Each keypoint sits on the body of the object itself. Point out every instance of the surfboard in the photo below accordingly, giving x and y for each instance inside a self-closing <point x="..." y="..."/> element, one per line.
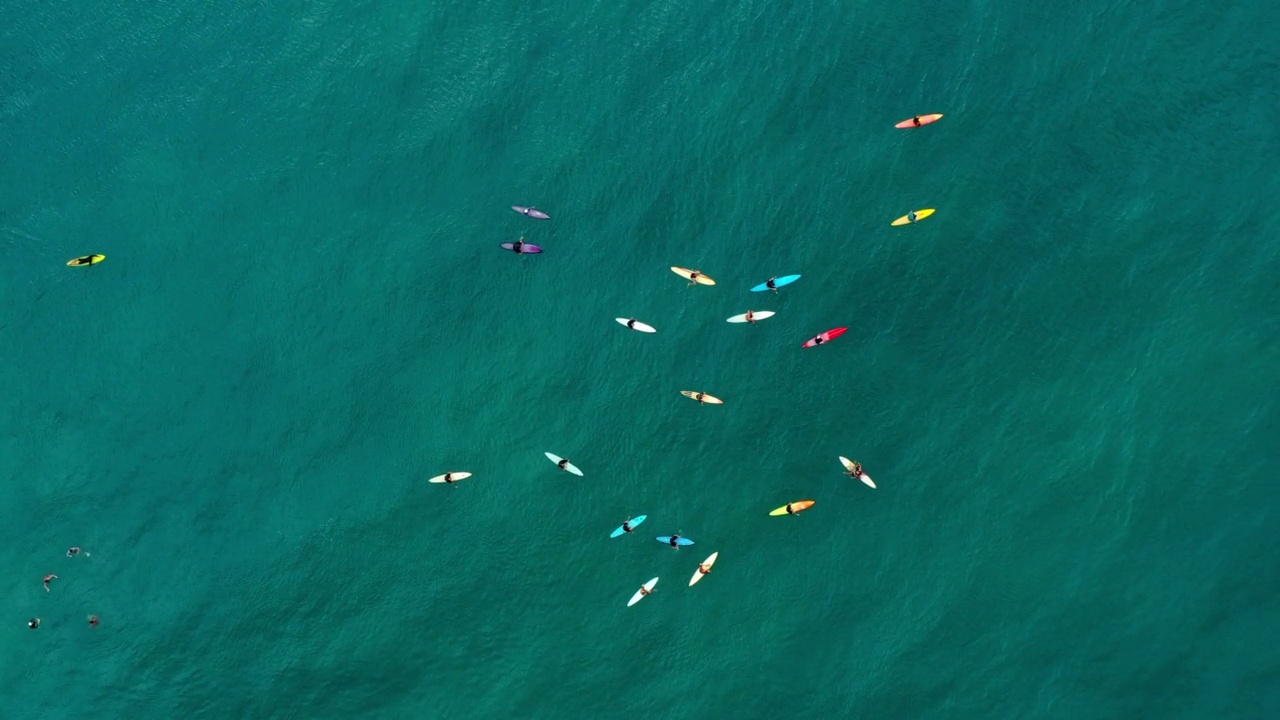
<point x="456" y="477"/>
<point x="531" y="212"/>
<point x="924" y="120"/>
<point x="648" y="587"/>
<point x="784" y="280"/>
<point x="906" y="219"/>
<point x="635" y="522"/>
<point x="698" y="574"/>
<point x="687" y="274"/>
<point x="682" y="542"/>
<point x="754" y="316"/>
<point x="826" y="337"/>
<point x="797" y="507"/>
<point x="86" y="261"/>
<point x="865" y="478"/>
<point x="636" y="325"/>
<point x="569" y="467"/>
<point x="525" y="249"/>
<point x="708" y="399"/>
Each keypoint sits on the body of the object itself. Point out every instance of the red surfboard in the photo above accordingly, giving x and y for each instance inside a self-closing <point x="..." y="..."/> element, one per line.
<point x="825" y="337"/>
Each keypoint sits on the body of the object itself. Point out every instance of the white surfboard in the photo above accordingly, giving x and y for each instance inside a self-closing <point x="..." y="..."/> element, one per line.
<point x="569" y="467"/>
<point x="636" y="325"/>
<point x="865" y="478"/>
<point x="754" y="316"/>
<point x="453" y="476"/>
<point x="698" y="574"/>
<point x="647" y="588"/>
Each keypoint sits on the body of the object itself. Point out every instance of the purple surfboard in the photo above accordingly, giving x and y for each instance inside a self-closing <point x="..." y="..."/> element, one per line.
<point x="526" y="249"/>
<point x="531" y="212"/>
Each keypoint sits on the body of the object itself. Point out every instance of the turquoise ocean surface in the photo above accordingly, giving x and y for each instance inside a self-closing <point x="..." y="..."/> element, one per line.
<point x="1066" y="382"/>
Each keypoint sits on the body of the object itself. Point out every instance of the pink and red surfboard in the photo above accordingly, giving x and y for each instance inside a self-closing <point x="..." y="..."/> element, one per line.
<point x="919" y="121"/>
<point x="826" y="337"/>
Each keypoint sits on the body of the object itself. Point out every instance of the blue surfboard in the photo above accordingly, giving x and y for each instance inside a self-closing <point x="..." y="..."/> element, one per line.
<point x="633" y="521"/>
<point x="784" y="280"/>
<point x="682" y="542"/>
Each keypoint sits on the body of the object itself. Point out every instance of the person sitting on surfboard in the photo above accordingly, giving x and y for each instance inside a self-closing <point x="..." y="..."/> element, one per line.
<point x="704" y="568"/>
<point x="916" y="121"/>
<point x="751" y="317"/>
<point x="644" y="590"/>
<point x="631" y="323"/>
<point x="518" y="246"/>
<point x="563" y="463"/>
<point x="448" y="477"/>
<point x="911" y="216"/>
<point x="789" y="511"/>
<point x="693" y="277"/>
<point x="819" y="340"/>
<point x="770" y="284"/>
<point x="675" y="541"/>
<point x="626" y="525"/>
<point x="856" y="470"/>
<point x="698" y="396"/>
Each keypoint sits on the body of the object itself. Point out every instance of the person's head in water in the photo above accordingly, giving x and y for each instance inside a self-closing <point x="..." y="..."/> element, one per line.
<point x="93" y="621"/>
<point x="33" y="623"/>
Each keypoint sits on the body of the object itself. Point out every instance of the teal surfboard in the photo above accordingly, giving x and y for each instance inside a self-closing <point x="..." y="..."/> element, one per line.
<point x="633" y="522"/>
<point x="784" y="280"/>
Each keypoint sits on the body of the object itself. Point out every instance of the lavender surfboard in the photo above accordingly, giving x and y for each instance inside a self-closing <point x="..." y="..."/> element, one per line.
<point x="531" y="212"/>
<point x="525" y="249"/>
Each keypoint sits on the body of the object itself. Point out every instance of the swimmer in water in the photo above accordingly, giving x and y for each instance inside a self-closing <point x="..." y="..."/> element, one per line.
<point x="47" y="580"/>
<point x="93" y="621"/>
<point x="33" y="623"/>
<point x="75" y="551"/>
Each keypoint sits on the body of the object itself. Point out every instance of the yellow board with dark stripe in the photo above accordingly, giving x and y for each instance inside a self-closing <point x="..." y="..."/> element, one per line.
<point x="86" y="261"/>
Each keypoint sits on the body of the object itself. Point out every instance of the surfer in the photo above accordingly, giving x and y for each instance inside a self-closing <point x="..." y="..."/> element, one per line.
<point x="47" y="580"/>
<point x="517" y="247"/>
<point x="675" y="542"/>
<point x="74" y="552"/>
<point x="86" y="260"/>
<point x="789" y="510"/>
<point x="563" y="464"/>
<point x="704" y="568"/>
<point x="770" y="284"/>
<point x="93" y="621"/>
<point x="526" y="211"/>
<point x="699" y="395"/>
<point x="751" y="317"/>
<point x="693" y="277"/>
<point x="644" y="590"/>
<point x="911" y="216"/>
<point x="626" y="526"/>
<point x="819" y="340"/>
<point x="916" y="121"/>
<point x="33" y="623"/>
<point x="856" y="469"/>
<point x="631" y="324"/>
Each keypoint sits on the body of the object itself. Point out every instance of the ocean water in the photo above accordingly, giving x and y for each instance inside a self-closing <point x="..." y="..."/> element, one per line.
<point x="1064" y="382"/>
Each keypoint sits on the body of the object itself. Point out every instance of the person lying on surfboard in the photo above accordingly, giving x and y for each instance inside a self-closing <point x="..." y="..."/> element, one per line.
<point x="674" y="542"/>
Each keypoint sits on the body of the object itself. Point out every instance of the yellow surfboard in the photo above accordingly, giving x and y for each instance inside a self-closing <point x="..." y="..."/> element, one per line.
<point x="693" y="275"/>
<point x="920" y="215"/>
<point x="797" y="507"/>
<point x="710" y="400"/>
<point x="86" y="261"/>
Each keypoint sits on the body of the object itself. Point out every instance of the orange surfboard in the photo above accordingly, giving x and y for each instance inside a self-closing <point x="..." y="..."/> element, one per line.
<point x="797" y="507"/>
<point x="919" y="121"/>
